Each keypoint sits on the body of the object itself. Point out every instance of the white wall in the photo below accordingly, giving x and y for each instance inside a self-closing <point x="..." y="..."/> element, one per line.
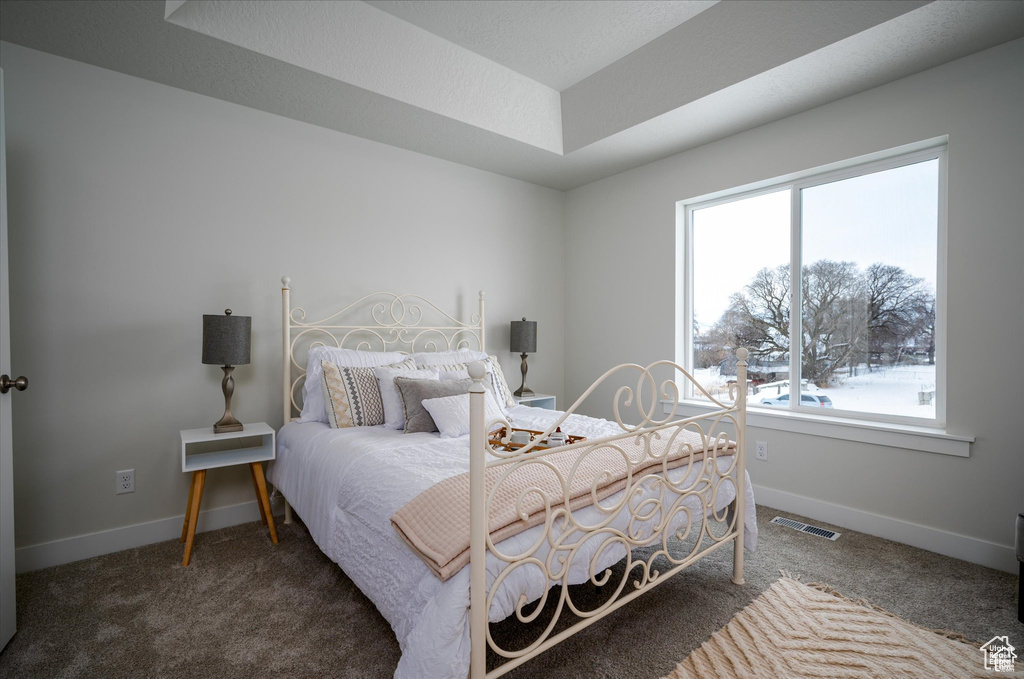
<point x="620" y="297"/>
<point x="136" y="207"/>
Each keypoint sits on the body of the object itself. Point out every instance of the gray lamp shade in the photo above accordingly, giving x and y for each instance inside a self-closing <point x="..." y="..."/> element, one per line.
<point x="523" y="337"/>
<point x="226" y="339"/>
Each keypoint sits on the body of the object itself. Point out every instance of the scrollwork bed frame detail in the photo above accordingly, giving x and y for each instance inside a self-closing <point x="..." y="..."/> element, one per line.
<point x="396" y="323"/>
<point x="654" y="520"/>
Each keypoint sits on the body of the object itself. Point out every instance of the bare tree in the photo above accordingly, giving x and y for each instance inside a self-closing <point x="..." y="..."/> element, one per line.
<point x="708" y="347"/>
<point x="829" y="324"/>
<point x="847" y="317"/>
<point x="926" y="310"/>
<point x="758" y="317"/>
<point x="900" y="311"/>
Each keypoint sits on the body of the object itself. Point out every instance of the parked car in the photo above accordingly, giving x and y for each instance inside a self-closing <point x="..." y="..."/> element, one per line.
<point x="812" y="400"/>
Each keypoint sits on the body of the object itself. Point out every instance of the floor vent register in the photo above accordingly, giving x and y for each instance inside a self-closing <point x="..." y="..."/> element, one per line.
<point x="807" y="528"/>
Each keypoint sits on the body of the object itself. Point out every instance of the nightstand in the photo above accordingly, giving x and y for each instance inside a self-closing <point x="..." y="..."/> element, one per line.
<point x="201" y="450"/>
<point x="536" y="401"/>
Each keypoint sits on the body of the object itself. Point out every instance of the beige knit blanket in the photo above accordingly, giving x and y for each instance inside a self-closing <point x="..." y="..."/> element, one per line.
<point x="435" y="523"/>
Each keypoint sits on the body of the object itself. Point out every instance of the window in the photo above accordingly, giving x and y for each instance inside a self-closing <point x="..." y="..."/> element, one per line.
<point x="856" y="254"/>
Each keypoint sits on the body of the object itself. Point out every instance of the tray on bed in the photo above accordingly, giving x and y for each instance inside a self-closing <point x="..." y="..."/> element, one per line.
<point x="498" y="434"/>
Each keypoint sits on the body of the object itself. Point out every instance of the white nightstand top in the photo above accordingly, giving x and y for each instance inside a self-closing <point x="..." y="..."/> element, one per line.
<point x="195" y="461"/>
<point x="206" y="433"/>
<point x="536" y="400"/>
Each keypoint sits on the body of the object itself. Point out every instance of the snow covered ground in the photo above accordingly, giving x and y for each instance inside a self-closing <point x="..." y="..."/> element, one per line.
<point x="887" y="391"/>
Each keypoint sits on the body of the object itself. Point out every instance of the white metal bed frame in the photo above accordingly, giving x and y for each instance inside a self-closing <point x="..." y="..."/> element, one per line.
<point x="395" y="324"/>
<point x="655" y="505"/>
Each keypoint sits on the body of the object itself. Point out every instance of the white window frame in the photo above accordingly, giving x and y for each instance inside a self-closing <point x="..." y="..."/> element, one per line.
<point x="925" y="433"/>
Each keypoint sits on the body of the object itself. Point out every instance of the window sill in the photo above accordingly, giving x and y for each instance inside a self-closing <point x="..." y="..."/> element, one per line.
<point x="877" y="433"/>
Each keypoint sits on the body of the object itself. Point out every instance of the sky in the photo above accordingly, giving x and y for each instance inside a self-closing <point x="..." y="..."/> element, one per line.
<point x="889" y="217"/>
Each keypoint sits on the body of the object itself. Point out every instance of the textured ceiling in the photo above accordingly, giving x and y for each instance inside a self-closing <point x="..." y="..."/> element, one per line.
<point x="354" y="43"/>
<point x="356" y="68"/>
<point x="555" y="43"/>
<point x="724" y="46"/>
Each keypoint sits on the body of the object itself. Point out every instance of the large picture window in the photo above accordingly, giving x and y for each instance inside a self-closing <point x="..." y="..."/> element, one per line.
<point x="855" y="254"/>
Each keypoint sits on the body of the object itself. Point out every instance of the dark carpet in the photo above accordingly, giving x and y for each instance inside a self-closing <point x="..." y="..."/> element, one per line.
<point x="247" y="608"/>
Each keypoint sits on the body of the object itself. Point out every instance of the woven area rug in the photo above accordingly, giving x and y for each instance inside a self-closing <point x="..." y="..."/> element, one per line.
<point x="799" y="630"/>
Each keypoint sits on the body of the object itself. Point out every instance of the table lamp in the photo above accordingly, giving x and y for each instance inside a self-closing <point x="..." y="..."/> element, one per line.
<point x="226" y="343"/>
<point x="523" y="341"/>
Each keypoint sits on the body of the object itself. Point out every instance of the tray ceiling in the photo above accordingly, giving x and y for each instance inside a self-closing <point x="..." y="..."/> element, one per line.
<point x="555" y="93"/>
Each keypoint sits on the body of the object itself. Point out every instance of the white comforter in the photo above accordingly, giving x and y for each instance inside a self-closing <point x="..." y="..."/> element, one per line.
<point x="346" y="483"/>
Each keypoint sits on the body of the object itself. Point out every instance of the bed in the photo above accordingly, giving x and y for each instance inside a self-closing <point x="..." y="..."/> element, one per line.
<point x="350" y="486"/>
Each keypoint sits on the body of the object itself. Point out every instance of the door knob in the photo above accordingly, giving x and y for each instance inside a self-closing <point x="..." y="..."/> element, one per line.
<point x="21" y="384"/>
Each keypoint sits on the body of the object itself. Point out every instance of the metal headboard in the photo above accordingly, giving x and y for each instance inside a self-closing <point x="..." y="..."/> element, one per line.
<point x="380" y="321"/>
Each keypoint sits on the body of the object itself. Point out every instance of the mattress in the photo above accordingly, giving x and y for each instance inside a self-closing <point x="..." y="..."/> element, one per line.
<point x="345" y="484"/>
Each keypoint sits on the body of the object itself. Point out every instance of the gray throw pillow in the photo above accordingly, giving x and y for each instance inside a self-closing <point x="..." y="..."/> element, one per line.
<point x="414" y="392"/>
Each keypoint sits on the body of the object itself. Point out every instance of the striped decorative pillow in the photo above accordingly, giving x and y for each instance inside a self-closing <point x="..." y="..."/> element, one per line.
<point x="499" y="389"/>
<point x="314" y="407"/>
<point x="352" y="396"/>
<point x="500" y="384"/>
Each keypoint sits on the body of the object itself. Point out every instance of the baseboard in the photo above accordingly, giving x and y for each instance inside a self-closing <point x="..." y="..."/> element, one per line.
<point x="46" y="554"/>
<point x="982" y="552"/>
<point x="1000" y="557"/>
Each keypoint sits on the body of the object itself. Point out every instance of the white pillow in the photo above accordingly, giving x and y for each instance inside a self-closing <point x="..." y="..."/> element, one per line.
<point x="394" y="413"/>
<point x="313" y="407"/>
<point x="425" y="359"/>
<point x="491" y="381"/>
<point x="451" y="414"/>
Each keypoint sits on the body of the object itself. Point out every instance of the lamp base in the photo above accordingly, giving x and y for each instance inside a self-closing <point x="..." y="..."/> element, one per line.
<point x="227" y="423"/>
<point x="523" y="390"/>
<point x="223" y="427"/>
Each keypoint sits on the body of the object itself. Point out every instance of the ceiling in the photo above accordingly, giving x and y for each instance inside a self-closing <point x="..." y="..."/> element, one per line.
<point x="554" y="93"/>
<point x="557" y="44"/>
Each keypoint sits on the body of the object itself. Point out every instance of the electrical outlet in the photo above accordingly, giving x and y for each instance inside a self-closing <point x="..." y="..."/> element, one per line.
<point x="761" y="450"/>
<point x="125" y="481"/>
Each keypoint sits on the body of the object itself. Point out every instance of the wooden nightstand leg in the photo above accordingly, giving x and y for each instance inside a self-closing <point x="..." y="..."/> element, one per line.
<point x="259" y="500"/>
<point x="198" y="478"/>
<point x="261" y="492"/>
<point x="188" y="507"/>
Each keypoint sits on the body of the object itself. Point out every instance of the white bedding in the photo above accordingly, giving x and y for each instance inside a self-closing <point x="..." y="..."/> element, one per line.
<point x="345" y="484"/>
